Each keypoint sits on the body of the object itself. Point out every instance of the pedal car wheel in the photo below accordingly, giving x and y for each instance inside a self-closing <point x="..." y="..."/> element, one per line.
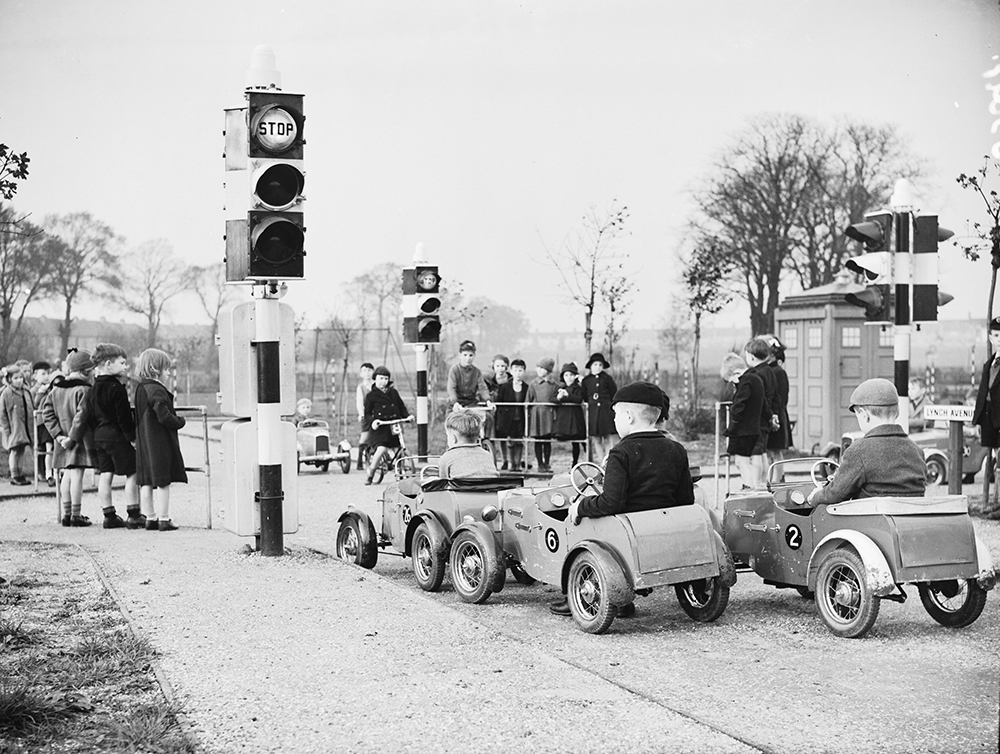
<point x="703" y="600"/>
<point x="325" y="466"/>
<point x="349" y="545"/>
<point x="845" y="602"/>
<point x="588" y="592"/>
<point x="473" y="567"/>
<point x="955" y="603"/>
<point x="345" y="465"/>
<point x="520" y="575"/>
<point x="936" y="475"/>
<point x="428" y="564"/>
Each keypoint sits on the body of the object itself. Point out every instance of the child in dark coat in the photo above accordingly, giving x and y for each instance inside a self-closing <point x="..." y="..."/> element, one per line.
<point x="62" y="412"/>
<point x="17" y="410"/>
<point x="511" y="420"/>
<point x="542" y="390"/>
<point x="382" y="404"/>
<point x="744" y="419"/>
<point x="568" y="425"/>
<point x="159" y="462"/>
<point x="599" y="388"/>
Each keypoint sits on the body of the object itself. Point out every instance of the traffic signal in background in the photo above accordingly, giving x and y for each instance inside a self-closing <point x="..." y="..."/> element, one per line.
<point x="421" y="305"/>
<point x="926" y="296"/>
<point x="875" y="232"/>
<point x="876" y="298"/>
<point x="265" y="180"/>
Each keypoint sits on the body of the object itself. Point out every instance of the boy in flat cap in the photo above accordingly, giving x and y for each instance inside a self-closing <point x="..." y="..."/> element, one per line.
<point x="645" y="471"/>
<point x="883" y="462"/>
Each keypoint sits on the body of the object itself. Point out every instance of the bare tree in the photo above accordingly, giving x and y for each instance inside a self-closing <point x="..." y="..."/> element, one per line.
<point x="588" y="263"/>
<point x="676" y="335"/>
<point x="151" y="276"/>
<point x="780" y="197"/>
<point x="208" y="283"/>
<point x="27" y="259"/>
<point x="616" y="293"/>
<point x="382" y="288"/>
<point x="88" y="258"/>
<point x="705" y="276"/>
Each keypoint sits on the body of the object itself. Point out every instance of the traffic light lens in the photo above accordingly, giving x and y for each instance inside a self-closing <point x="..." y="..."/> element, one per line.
<point x="279" y="186"/>
<point x="430" y="305"/>
<point x="428" y="330"/>
<point x="277" y="241"/>
<point x="274" y="129"/>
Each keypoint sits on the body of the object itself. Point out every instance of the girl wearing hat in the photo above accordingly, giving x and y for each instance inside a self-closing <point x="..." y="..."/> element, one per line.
<point x="599" y="388"/>
<point x="382" y="403"/>
<point x="16" y="412"/>
<point x="74" y="452"/>
<point x="568" y="425"/>
<point x="541" y="392"/>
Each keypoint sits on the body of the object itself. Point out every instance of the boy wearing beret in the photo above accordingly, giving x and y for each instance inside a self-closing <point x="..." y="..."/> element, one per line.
<point x="645" y="471"/>
<point x="883" y="462"/>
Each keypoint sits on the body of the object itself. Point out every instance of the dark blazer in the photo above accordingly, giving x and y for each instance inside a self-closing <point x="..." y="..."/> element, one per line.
<point x="109" y="412"/>
<point x="568" y="424"/>
<point x="748" y="403"/>
<point x="782" y="437"/>
<point x="646" y="470"/>
<point x="986" y="414"/>
<point x="511" y="420"/>
<point x="770" y="382"/>
<point x="599" y="389"/>
<point x="157" y="451"/>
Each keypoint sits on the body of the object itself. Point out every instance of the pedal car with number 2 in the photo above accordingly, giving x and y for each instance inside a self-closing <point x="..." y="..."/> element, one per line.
<point x="855" y="554"/>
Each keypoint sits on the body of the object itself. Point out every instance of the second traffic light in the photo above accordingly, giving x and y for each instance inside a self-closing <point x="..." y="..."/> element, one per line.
<point x="265" y="180"/>
<point x="421" y="305"/>
<point x="876" y="298"/>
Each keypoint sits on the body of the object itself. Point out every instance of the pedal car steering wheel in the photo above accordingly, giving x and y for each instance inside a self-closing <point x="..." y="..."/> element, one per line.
<point x="821" y="464"/>
<point x="587" y="478"/>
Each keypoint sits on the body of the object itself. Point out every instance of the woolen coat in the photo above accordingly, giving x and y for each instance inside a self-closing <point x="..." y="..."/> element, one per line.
<point x="384" y="405"/>
<point x="511" y="419"/>
<point x="157" y="450"/>
<point x="62" y="412"/>
<point x="17" y="412"/>
<point x="568" y="423"/>
<point x="599" y="390"/>
<point x="542" y="390"/>
<point x="781" y="438"/>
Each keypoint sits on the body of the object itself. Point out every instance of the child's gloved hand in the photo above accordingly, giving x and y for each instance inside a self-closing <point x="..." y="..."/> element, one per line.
<point x="574" y="514"/>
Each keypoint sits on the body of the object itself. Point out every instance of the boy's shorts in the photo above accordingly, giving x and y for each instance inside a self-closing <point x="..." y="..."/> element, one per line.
<point x="116" y="458"/>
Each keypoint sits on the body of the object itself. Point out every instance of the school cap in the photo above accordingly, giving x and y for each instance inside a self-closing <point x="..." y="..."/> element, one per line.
<point x="547" y="364"/>
<point x="645" y="393"/>
<point x="40" y="365"/>
<point x="466" y="345"/>
<point x="874" y="392"/>
<point x="995" y="323"/>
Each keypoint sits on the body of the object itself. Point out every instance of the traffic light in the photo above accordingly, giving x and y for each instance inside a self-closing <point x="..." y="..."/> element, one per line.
<point x="876" y="298"/>
<point x="265" y="181"/>
<point x="926" y="296"/>
<point x="421" y="305"/>
<point x="875" y="232"/>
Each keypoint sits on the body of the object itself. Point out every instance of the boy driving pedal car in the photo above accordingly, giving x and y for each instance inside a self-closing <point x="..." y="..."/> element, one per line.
<point x="883" y="462"/>
<point x="645" y="470"/>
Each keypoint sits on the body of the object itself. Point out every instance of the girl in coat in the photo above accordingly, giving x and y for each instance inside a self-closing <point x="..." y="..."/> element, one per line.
<point x="599" y="388"/>
<point x="159" y="462"/>
<point x="65" y="421"/>
<point x="383" y="403"/>
<point x="542" y="390"/>
<point x="569" y="425"/>
<point x="17" y="412"/>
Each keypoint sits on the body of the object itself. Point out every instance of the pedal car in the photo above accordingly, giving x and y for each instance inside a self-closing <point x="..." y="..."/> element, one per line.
<point x="420" y="519"/>
<point x="313" y="437"/>
<point x="854" y="554"/>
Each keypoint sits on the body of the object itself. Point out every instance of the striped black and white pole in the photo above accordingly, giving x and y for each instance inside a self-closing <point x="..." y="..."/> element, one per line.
<point x="902" y="207"/>
<point x="270" y="497"/>
<point x="422" y="412"/>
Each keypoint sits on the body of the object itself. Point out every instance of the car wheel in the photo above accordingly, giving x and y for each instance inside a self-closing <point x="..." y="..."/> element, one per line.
<point x="324" y="466"/>
<point x="703" y="600"/>
<point x="428" y="564"/>
<point x="588" y="592"/>
<point x="520" y="575"/>
<point x="845" y="602"/>
<point x="936" y="474"/>
<point x="474" y="566"/>
<point x="345" y="465"/>
<point x="349" y="545"/>
<point x="956" y="603"/>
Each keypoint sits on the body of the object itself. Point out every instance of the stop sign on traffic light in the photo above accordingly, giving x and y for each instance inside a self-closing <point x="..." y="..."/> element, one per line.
<point x="265" y="181"/>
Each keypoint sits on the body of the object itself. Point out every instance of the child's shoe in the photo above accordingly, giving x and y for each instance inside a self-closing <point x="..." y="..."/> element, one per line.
<point x="51" y="481"/>
<point x="67" y="520"/>
<point x="168" y="525"/>
<point x="20" y="481"/>
<point x="80" y="521"/>
<point x="113" y="521"/>
<point x="135" y="521"/>
<point x="152" y="524"/>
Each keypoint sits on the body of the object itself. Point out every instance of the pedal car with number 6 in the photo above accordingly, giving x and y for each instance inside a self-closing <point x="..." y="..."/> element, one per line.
<point x="853" y="555"/>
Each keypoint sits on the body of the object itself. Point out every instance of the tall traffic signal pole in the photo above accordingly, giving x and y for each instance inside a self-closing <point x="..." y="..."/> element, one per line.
<point x="421" y="327"/>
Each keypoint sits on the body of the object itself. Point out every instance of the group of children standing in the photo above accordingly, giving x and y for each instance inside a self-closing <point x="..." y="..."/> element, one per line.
<point x="90" y="424"/>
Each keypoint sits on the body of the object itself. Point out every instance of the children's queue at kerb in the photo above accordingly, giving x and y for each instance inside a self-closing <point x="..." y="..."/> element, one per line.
<point x="85" y="420"/>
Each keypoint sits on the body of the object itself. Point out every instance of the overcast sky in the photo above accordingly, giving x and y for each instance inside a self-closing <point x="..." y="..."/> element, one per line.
<point x="483" y="129"/>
